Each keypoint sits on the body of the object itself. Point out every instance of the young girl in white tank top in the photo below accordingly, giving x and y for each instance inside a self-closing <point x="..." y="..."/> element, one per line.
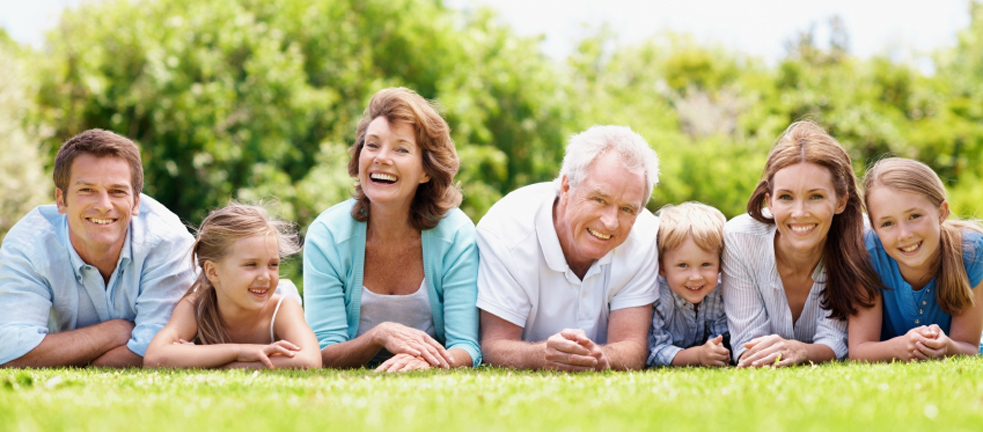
<point x="231" y="316"/>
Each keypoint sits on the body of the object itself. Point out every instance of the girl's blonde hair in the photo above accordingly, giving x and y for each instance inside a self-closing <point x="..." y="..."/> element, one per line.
<point x="216" y="235"/>
<point x="953" y="292"/>
<point x="703" y="223"/>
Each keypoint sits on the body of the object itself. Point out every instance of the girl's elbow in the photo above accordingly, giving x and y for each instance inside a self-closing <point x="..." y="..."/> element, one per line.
<point x="153" y="360"/>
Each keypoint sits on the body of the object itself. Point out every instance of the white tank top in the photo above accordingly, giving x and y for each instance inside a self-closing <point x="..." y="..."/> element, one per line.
<point x="411" y="310"/>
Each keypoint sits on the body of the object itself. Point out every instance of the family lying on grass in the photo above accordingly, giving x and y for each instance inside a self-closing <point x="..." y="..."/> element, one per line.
<point x="573" y="274"/>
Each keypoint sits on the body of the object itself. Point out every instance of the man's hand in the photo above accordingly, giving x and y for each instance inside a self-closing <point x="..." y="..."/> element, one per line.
<point x="571" y="350"/>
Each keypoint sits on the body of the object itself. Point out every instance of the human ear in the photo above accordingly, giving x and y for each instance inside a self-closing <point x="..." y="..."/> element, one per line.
<point x="60" y="201"/>
<point x="943" y="211"/>
<point x="211" y="272"/>
<point x="136" y="205"/>
<point x="841" y="203"/>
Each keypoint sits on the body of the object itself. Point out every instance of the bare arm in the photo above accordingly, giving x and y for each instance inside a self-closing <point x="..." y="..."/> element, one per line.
<point x="290" y="326"/>
<point x="80" y="347"/>
<point x="569" y="350"/>
<point x="119" y="357"/>
<point x="627" y="344"/>
<point x="167" y="349"/>
<point x="964" y="332"/>
<point x="865" y="337"/>
<point x="502" y="345"/>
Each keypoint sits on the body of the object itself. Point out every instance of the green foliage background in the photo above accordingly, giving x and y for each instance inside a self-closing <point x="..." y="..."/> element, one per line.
<point x="258" y="99"/>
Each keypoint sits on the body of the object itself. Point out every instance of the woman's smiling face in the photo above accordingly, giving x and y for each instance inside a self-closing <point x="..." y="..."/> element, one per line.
<point x="803" y="202"/>
<point x="390" y="165"/>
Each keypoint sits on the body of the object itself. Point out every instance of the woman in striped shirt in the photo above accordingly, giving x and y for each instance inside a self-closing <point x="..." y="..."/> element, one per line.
<point x="791" y="264"/>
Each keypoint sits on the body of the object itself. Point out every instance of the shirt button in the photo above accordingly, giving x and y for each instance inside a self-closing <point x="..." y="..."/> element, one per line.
<point x="924" y="303"/>
<point x="921" y="311"/>
<point x="916" y="321"/>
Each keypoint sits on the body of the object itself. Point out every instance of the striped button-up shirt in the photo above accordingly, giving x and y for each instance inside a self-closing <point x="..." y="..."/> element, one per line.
<point x="677" y="324"/>
<point x="754" y="297"/>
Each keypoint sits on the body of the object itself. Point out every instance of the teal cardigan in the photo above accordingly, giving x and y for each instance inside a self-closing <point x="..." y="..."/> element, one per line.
<point x="334" y="259"/>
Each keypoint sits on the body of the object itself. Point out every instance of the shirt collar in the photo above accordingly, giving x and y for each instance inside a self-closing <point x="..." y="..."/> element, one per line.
<point x="125" y="255"/>
<point x="679" y="302"/>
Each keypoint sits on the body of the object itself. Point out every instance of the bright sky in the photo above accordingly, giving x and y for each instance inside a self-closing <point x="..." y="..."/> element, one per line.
<point x="901" y="28"/>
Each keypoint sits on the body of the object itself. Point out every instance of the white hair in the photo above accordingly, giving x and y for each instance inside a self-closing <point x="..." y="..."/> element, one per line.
<point x="584" y="148"/>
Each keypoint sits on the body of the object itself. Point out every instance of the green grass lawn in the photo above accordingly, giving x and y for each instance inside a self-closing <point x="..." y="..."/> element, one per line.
<point x="939" y="395"/>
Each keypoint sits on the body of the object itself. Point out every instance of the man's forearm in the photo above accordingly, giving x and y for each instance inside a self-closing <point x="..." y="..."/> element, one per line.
<point x="514" y="354"/>
<point x="625" y="355"/>
<point x="77" y="347"/>
<point x="119" y="357"/>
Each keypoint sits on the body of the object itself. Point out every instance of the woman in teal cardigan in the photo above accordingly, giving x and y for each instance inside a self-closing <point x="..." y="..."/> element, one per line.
<point x="390" y="276"/>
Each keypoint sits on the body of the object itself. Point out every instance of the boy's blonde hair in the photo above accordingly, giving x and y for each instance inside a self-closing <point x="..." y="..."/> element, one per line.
<point x="703" y="223"/>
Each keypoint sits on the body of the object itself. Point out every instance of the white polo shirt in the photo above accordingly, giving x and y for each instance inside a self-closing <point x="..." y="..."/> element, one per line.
<point x="524" y="278"/>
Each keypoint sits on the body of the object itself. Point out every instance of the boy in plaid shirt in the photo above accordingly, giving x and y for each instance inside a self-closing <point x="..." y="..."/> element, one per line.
<point x="689" y="326"/>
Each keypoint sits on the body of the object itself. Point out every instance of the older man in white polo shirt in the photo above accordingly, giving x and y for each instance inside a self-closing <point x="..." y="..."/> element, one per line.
<point x="568" y="268"/>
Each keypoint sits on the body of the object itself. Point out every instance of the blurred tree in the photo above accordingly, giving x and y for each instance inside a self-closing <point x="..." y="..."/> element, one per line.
<point x="23" y="184"/>
<point x="261" y="98"/>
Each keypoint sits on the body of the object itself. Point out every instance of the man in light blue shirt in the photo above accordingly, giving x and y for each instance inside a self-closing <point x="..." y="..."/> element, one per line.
<point x="90" y="280"/>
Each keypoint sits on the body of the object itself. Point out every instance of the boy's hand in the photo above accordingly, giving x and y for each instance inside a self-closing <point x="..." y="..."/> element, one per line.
<point x="713" y="353"/>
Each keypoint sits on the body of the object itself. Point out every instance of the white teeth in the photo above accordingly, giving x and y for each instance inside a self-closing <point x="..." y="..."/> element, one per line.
<point x="802" y="228"/>
<point x="382" y="176"/>
<point x="910" y="248"/>
<point x="597" y="234"/>
<point x="101" y="221"/>
<point x="258" y="291"/>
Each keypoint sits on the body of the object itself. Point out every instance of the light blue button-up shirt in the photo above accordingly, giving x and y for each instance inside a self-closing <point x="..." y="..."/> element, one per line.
<point x="677" y="325"/>
<point x="45" y="286"/>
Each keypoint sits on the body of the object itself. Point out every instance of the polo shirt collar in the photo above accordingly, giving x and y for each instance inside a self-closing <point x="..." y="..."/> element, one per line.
<point x="550" y="242"/>
<point x="125" y="255"/>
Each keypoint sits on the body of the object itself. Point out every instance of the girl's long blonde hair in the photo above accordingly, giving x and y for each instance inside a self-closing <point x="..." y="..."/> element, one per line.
<point x="216" y="235"/>
<point x="953" y="292"/>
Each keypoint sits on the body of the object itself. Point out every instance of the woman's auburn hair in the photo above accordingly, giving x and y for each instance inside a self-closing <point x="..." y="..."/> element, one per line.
<point x="953" y="292"/>
<point x="434" y="198"/>
<point x="851" y="281"/>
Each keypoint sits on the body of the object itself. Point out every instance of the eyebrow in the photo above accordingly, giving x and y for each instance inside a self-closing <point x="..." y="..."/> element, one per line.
<point x="604" y="195"/>
<point x="824" y="190"/>
<point x="398" y="139"/>
<point x="83" y="182"/>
